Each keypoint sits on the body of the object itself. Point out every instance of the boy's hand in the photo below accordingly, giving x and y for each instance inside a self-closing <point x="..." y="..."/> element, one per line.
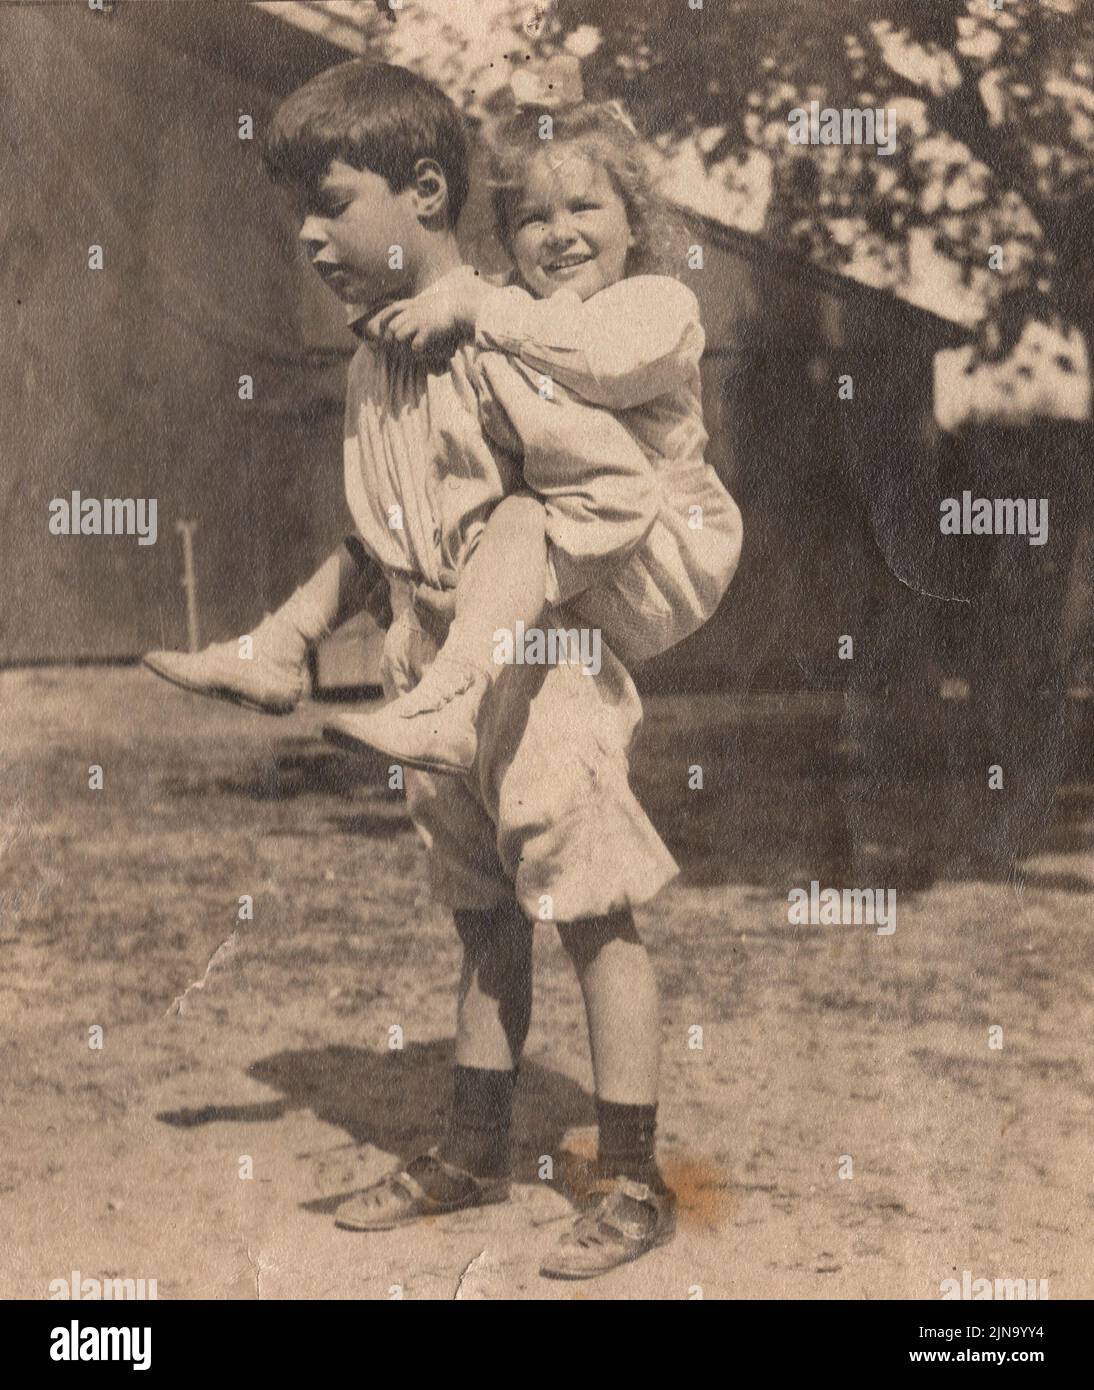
<point x="444" y="311"/>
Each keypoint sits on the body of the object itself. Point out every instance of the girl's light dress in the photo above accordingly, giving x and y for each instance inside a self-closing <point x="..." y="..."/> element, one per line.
<point x="634" y="350"/>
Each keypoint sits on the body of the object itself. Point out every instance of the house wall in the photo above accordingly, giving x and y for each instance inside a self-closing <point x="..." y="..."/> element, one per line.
<point x="123" y="382"/>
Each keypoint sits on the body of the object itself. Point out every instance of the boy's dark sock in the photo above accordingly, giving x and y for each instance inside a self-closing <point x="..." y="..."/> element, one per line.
<point x="478" y="1127"/>
<point x="626" y="1141"/>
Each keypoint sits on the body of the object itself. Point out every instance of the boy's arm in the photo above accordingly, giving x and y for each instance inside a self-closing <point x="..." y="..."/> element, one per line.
<point x="624" y="346"/>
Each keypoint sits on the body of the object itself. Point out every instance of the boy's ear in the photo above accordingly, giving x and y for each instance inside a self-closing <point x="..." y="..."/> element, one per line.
<point x="430" y="190"/>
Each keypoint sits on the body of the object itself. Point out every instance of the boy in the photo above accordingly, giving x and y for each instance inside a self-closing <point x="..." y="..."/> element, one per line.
<point x="545" y="826"/>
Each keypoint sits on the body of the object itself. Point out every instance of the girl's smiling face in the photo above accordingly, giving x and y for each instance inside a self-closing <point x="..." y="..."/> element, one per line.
<point x="569" y="228"/>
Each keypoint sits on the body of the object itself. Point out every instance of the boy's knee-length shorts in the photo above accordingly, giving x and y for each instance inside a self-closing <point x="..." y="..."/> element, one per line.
<point x="547" y="814"/>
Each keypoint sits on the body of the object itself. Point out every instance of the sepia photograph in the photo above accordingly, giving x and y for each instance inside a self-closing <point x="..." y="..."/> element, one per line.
<point x="547" y="678"/>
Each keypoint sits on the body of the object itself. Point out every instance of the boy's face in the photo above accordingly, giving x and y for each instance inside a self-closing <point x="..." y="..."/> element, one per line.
<point x="350" y="225"/>
<point x="569" y="228"/>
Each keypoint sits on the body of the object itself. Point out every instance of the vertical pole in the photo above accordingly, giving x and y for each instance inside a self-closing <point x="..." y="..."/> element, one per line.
<point x="189" y="582"/>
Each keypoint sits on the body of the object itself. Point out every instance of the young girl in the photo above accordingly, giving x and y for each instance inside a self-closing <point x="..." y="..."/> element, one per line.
<point x="578" y="216"/>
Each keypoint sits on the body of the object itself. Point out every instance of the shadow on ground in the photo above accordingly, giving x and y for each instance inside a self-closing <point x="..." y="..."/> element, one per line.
<point x="293" y="769"/>
<point x="397" y="1101"/>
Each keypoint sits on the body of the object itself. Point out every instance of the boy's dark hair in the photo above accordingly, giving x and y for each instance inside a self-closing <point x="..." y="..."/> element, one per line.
<point x="371" y="116"/>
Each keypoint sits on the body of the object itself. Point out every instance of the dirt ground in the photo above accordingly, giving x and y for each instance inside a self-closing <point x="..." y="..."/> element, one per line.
<point x="817" y="1042"/>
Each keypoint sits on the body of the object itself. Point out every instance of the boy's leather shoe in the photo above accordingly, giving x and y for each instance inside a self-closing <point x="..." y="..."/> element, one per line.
<point x="272" y="680"/>
<point x="630" y="1219"/>
<point x="430" y="727"/>
<point x="428" y="1186"/>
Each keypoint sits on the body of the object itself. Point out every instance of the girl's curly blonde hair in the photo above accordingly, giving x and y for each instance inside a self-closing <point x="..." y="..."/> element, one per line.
<point x="604" y="134"/>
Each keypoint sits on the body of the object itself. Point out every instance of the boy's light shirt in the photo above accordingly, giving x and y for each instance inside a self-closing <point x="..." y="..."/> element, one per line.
<point x="420" y="476"/>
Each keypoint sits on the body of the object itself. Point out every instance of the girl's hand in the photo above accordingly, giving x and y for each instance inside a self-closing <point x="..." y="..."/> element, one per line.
<point x="444" y="311"/>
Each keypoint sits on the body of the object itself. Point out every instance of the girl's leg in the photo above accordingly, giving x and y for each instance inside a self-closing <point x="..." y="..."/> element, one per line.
<point x="265" y="669"/>
<point x="503" y="583"/>
<point x="434" y="726"/>
<point x="334" y="593"/>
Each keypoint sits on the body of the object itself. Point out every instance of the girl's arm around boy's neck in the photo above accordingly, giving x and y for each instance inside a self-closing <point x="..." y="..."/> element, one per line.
<point x="624" y="346"/>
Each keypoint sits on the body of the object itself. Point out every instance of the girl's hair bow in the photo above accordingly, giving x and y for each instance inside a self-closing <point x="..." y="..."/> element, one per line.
<point x="550" y="84"/>
<point x="555" y="85"/>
